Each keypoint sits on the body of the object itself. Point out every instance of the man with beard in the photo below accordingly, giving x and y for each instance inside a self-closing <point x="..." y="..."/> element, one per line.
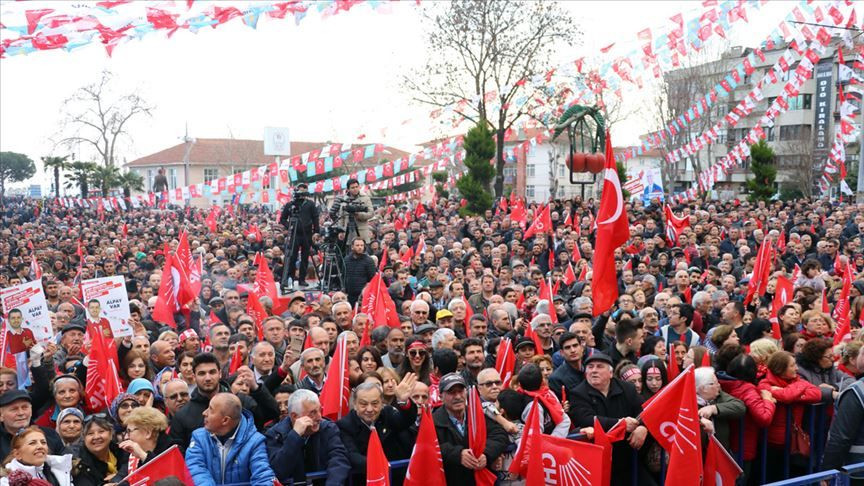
<point x="312" y="360"/>
<point x="395" y="348"/>
<point x="472" y="353"/>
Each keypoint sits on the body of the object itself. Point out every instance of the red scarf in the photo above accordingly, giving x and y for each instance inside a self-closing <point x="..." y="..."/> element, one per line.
<point x="548" y="400"/>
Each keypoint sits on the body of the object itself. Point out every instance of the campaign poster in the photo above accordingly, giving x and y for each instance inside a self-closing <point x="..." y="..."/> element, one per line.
<point x="111" y="311"/>
<point x="652" y="185"/>
<point x="26" y="313"/>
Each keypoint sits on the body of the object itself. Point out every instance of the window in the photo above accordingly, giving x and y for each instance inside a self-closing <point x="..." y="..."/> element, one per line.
<point x="172" y="178"/>
<point x="722" y="109"/>
<point x="794" y="132"/>
<point x="509" y="172"/>
<point x="721" y="135"/>
<point x="561" y="170"/>
<point x="151" y="173"/>
<point x="530" y="170"/>
<point x="769" y="134"/>
<point x="529" y="191"/>
<point x="801" y="102"/>
<point x="210" y="174"/>
<point x="770" y="101"/>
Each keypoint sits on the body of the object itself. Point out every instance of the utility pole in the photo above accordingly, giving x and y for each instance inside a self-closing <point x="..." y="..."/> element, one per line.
<point x="859" y="190"/>
<point x="189" y="143"/>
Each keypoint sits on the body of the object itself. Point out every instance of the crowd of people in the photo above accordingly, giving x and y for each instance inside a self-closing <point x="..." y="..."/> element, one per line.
<point x="461" y="285"/>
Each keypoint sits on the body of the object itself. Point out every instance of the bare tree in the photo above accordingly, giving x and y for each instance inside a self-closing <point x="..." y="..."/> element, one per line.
<point x="93" y="116"/>
<point x="482" y="57"/>
<point x="799" y="164"/>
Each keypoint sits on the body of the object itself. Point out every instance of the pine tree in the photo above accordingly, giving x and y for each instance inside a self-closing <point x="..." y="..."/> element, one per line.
<point x="474" y="185"/>
<point x="761" y="186"/>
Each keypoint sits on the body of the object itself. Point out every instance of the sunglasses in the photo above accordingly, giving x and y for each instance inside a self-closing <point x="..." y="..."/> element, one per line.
<point x="128" y="404"/>
<point x="415" y="353"/>
<point x="95" y="416"/>
<point x="492" y="383"/>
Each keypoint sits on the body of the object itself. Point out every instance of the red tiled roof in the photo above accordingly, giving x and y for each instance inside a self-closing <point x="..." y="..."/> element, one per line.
<point x="225" y="151"/>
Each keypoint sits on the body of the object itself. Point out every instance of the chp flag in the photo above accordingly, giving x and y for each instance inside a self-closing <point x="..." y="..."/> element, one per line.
<point x="112" y="297"/>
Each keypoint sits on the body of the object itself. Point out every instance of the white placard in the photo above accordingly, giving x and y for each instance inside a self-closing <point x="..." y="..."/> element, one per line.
<point x="277" y="141"/>
<point x="30" y="300"/>
<point x="113" y="302"/>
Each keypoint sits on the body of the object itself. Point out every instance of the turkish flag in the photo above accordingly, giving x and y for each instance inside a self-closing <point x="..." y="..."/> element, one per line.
<point x="477" y="437"/>
<point x="376" y="302"/>
<point x="673" y="420"/>
<point x="169" y="463"/>
<point x="257" y="312"/>
<point x="103" y="383"/>
<point x="565" y="461"/>
<point x="613" y="230"/>
<point x="542" y="223"/>
<point x="377" y="467"/>
<point x="782" y="294"/>
<point x="426" y="468"/>
<point x="720" y="469"/>
<point x="505" y="361"/>
<point x="547" y="292"/>
<point x="166" y="298"/>
<point x="334" y="395"/>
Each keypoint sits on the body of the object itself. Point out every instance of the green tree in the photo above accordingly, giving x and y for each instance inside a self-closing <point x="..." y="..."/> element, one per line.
<point x="81" y="173"/>
<point x="440" y="177"/>
<point x="56" y="164"/>
<point x="105" y="178"/>
<point x="474" y="185"/>
<point x="14" y="167"/>
<point x="622" y="177"/>
<point x="761" y="186"/>
<point x="130" y="181"/>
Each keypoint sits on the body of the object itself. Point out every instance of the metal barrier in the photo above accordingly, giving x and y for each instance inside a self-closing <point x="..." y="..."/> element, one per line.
<point x="816" y="422"/>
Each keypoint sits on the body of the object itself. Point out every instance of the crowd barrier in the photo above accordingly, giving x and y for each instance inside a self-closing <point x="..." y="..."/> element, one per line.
<point x="816" y="423"/>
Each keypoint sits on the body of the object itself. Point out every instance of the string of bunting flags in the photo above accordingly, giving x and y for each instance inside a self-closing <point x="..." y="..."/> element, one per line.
<point x="71" y="25"/>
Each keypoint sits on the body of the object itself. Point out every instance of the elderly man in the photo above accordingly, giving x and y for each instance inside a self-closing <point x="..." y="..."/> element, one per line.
<point x="610" y="399"/>
<point x="319" y="339"/>
<point x="392" y="424"/>
<point x="451" y="426"/>
<point x="228" y="449"/>
<point x="161" y="355"/>
<point x="489" y="385"/>
<point x="304" y="442"/>
<point x="341" y="312"/>
<point x="542" y="326"/>
<point x="419" y="313"/>
<point x="274" y="333"/>
<point x="16" y="413"/>
<point x="443" y="338"/>
<point x="176" y="394"/>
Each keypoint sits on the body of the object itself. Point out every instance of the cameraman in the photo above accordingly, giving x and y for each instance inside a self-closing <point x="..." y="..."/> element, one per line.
<point x="307" y="225"/>
<point x="355" y="205"/>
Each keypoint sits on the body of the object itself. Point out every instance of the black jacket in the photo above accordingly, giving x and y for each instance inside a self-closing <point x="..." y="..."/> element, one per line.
<point x="260" y="402"/>
<point x="847" y="430"/>
<point x="307" y="216"/>
<point x="293" y="457"/>
<point x="87" y="470"/>
<point x="566" y="376"/>
<point x="621" y="401"/>
<point x="359" y="270"/>
<point x="452" y="443"/>
<point x="390" y="427"/>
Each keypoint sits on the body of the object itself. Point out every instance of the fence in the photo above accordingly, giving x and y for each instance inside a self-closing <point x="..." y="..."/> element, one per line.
<point x="816" y="421"/>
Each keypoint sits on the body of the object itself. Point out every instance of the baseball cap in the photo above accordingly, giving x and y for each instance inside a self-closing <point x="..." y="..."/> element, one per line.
<point x="447" y="382"/>
<point x="14" y="395"/>
<point x="441" y="314"/>
<point x="72" y="326"/>
<point x="525" y="341"/>
<point x="426" y="328"/>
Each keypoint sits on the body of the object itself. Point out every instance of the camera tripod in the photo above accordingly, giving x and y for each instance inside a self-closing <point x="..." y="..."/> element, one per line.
<point x="332" y="271"/>
<point x="288" y="248"/>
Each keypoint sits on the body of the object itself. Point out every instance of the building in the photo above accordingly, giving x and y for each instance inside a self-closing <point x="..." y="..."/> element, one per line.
<point x="801" y="136"/>
<point x="212" y="158"/>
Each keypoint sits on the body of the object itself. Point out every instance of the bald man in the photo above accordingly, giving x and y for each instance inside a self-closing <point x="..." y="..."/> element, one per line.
<point x="228" y="428"/>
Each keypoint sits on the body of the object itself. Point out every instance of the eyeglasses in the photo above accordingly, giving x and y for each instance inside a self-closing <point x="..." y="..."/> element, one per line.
<point x="416" y="353"/>
<point x="128" y="404"/>
<point x="491" y="383"/>
<point x="178" y="396"/>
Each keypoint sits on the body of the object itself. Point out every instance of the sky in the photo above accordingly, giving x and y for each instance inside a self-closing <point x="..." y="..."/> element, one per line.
<point x="325" y="79"/>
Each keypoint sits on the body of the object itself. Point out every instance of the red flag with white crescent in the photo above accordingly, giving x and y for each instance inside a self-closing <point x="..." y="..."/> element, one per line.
<point x="613" y="230"/>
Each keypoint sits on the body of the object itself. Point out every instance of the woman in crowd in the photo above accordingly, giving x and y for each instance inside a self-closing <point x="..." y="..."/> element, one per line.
<point x="739" y="381"/>
<point x="70" y="422"/>
<point x="145" y="429"/>
<point x="654" y="345"/>
<point x="816" y="324"/>
<point x="184" y="364"/>
<point x="654" y="377"/>
<point x="715" y="404"/>
<point x="761" y="350"/>
<point x="626" y="371"/>
<point x="67" y="392"/>
<point x="793" y="343"/>
<point x="134" y="366"/>
<point x="697" y="356"/>
<point x="390" y="381"/>
<point x="848" y="357"/>
<point x="30" y="463"/>
<point x="816" y="365"/>
<point x="544" y="363"/>
<point x="789" y="389"/>
<point x="98" y="459"/>
<point x="121" y="407"/>
<point x="789" y="318"/>
<point x="370" y="359"/>
<point x="418" y="360"/>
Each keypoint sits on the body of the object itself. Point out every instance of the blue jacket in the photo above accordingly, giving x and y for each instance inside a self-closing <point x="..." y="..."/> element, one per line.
<point x="293" y="457"/>
<point x="246" y="460"/>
